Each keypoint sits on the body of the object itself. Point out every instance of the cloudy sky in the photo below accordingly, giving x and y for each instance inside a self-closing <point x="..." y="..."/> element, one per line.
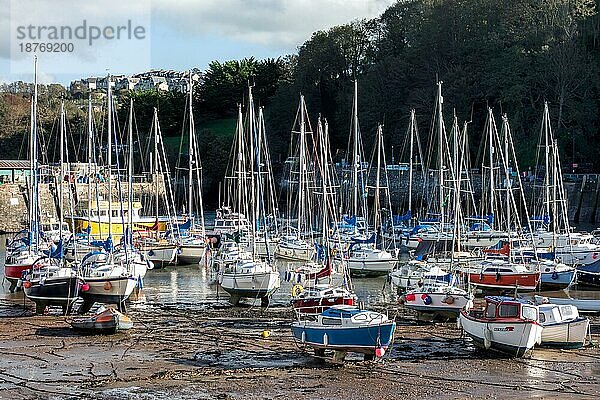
<point x="178" y="34"/>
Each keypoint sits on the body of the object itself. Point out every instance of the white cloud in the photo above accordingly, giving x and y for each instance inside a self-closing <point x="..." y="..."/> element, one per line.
<point x="273" y="23"/>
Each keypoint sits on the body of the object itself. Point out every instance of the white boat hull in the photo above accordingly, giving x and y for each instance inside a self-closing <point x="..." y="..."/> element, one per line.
<point x="250" y="285"/>
<point x="438" y="303"/>
<point x="191" y="254"/>
<point x="567" y="334"/>
<point x="511" y="337"/>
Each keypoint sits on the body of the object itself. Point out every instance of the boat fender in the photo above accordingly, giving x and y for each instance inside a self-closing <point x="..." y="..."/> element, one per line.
<point x="554" y="275"/>
<point x="303" y="339"/>
<point x="299" y="278"/>
<point x="449" y="299"/>
<point x="325" y="340"/>
<point x="297" y="289"/>
<point x="151" y="253"/>
<point x="487" y="338"/>
<point x="426" y="299"/>
<point x="410" y="297"/>
<point x="497" y="276"/>
<point x="27" y="284"/>
<point x="458" y="324"/>
<point x="107" y="285"/>
<point x="379" y="351"/>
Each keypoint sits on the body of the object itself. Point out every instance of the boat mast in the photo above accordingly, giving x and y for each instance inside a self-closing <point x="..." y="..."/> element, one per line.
<point x="545" y="127"/>
<point x="355" y="152"/>
<point x="253" y="158"/>
<point x="302" y="168"/>
<point x="440" y="155"/>
<point x="240" y="138"/>
<point x="410" y="162"/>
<point x="491" y="125"/>
<point x="89" y="159"/>
<point x="377" y="188"/>
<point x="190" y="150"/>
<point x="109" y="157"/>
<point x="156" y="167"/>
<point x="34" y="160"/>
<point x="62" y="174"/>
<point x="130" y="177"/>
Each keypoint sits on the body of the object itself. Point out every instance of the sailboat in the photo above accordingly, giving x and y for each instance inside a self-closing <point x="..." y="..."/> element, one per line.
<point x="156" y="248"/>
<point x="111" y="274"/>
<point x="511" y="270"/>
<point x="250" y="276"/>
<point x="551" y="232"/>
<point x="51" y="279"/>
<point x="363" y="255"/>
<point x="435" y="296"/>
<point x="324" y="282"/>
<point x="403" y="228"/>
<point x="297" y="244"/>
<point x="191" y="235"/>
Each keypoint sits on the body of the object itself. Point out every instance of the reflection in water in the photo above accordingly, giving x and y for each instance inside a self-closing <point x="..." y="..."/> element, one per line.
<point x="193" y="286"/>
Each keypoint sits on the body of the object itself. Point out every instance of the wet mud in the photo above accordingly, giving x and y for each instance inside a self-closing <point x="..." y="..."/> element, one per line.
<point x="218" y="352"/>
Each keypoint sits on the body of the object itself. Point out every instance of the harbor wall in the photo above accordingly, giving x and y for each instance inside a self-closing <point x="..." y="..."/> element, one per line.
<point x="14" y="199"/>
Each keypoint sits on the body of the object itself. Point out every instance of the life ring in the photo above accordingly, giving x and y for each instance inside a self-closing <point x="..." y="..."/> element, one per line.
<point x="107" y="285"/>
<point x="297" y="289"/>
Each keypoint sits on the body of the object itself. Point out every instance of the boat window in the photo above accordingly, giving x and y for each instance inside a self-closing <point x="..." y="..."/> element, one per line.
<point x="508" y="310"/>
<point x="331" y="321"/>
<point x="529" y="313"/>
<point x="490" y="311"/>
<point x="542" y="318"/>
<point x="566" y="311"/>
<point x="360" y="317"/>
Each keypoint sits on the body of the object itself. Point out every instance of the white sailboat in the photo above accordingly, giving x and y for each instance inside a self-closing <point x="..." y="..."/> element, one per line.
<point x="297" y="243"/>
<point x="251" y="277"/>
<point x="363" y="255"/>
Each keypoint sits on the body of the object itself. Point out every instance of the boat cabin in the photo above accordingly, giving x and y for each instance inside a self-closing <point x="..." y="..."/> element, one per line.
<point x="502" y="307"/>
<point x="349" y="315"/>
<point x="555" y="314"/>
<point x="115" y="209"/>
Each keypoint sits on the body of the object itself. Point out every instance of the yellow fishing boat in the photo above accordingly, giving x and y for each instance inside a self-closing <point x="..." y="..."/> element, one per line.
<point x="100" y="218"/>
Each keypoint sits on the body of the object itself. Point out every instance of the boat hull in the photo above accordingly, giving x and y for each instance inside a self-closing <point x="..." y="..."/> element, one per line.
<point x="356" y="339"/>
<point x="116" y="229"/>
<point x="14" y="272"/>
<point x="514" y="338"/>
<point x="191" y="254"/>
<point x="567" y="334"/>
<point x="60" y="291"/>
<point x="294" y="253"/>
<point x="161" y="255"/>
<point x="109" y="290"/>
<point x="525" y="281"/>
<point x="557" y="280"/>
<point x="437" y="303"/>
<point x="250" y="285"/>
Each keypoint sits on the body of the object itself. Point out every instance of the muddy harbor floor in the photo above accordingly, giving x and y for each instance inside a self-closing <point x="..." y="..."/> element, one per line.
<point x="219" y="353"/>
